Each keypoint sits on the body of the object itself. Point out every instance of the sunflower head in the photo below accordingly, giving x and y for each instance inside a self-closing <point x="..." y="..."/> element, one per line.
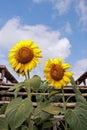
<point x="23" y="57"/>
<point x="56" y="74"/>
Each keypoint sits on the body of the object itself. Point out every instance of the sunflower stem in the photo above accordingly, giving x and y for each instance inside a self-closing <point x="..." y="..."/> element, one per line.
<point x="29" y="93"/>
<point x="25" y="76"/>
<point x="28" y="75"/>
<point x="29" y="121"/>
<point x="64" y="102"/>
<point x="28" y="90"/>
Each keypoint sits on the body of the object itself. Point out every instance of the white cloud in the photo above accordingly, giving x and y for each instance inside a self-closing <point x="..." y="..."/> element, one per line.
<point x="13" y="31"/>
<point x="48" y="40"/>
<point x="62" y="5"/>
<point x="79" y="68"/>
<point x="62" y="48"/>
<point x="82" y="11"/>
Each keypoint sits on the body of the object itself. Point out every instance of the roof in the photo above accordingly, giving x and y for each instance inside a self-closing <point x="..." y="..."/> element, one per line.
<point x="6" y="74"/>
<point x="82" y="78"/>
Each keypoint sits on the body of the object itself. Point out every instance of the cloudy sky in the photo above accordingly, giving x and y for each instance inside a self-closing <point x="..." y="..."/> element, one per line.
<point x="58" y="27"/>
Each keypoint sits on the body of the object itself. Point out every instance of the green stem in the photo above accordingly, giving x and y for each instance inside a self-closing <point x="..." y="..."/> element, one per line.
<point x="28" y="90"/>
<point x="28" y="75"/>
<point x="64" y="103"/>
<point x="25" y="76"/>
<point x="30" y="123"/>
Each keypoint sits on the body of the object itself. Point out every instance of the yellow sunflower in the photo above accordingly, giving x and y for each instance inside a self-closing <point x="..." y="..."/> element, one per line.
<point x="23" y="57"/>
<point x="56" y="74"/>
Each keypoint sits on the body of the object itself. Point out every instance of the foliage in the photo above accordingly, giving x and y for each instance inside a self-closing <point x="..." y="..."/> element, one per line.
<point x="77" y="117"/>
<point x="20" y="114"/>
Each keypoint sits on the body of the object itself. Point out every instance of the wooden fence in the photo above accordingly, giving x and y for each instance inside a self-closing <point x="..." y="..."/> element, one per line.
<point x="5" y="98"/>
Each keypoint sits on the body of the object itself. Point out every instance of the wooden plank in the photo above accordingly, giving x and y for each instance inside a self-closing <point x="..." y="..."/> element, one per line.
<point x="2" y="115"/>
<point x="56" y="116"/>
<point x="34" y="94"/>
<point x="58" y="104"/>
<point x="4" y="102"/>
<point x="7" y="86"/>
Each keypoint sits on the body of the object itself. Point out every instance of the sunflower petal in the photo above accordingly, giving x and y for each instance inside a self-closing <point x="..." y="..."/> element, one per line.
<point x="68" y="74"/>
<point x="66" y="66"/>
<point x="66" y="79"/>
<point x="60" y="60"/>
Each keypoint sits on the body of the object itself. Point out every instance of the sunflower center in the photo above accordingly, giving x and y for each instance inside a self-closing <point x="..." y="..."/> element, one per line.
<point x="24" y="55"/>
<point x="57" y="72"/>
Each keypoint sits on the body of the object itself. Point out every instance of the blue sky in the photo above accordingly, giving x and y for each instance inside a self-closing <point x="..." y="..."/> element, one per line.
<point x="59" y="27"/>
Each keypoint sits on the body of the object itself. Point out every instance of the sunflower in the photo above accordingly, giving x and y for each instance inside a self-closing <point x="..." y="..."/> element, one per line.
<point x="23" y="57"/>
<point x="56" y="74"/>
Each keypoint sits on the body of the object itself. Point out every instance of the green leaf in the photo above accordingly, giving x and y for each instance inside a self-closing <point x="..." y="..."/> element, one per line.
<point x="78" y="95"/>
<point x="80" y="98"/>
<point x="18" y="85"/>
<point x="3" y="108"/>
<point x="3" y="124"/>
<point x="23" y="127"/>
<point x="34" y="127"/>
<point x="35" y="82"/>
<point x="16" y="91"/>
<point x="52" y="109"/>
<point x="17" y="88"/>
<point x="30" y="127"/>
<point x="39" y="98"/>
<point x="77" y="91"/>
<point x="73" y="81"/>
<point x="47" y="125"/>
<point x="26" y="84"/>
<point x="77" y="118"/>
<point x="18" y="111"/>
<point x="53" y="93"/>
<point x="54" y="96"/>
<point x="40" y="115"/>
<point x="43" y="116"/>
<point x="43" y="86"/>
